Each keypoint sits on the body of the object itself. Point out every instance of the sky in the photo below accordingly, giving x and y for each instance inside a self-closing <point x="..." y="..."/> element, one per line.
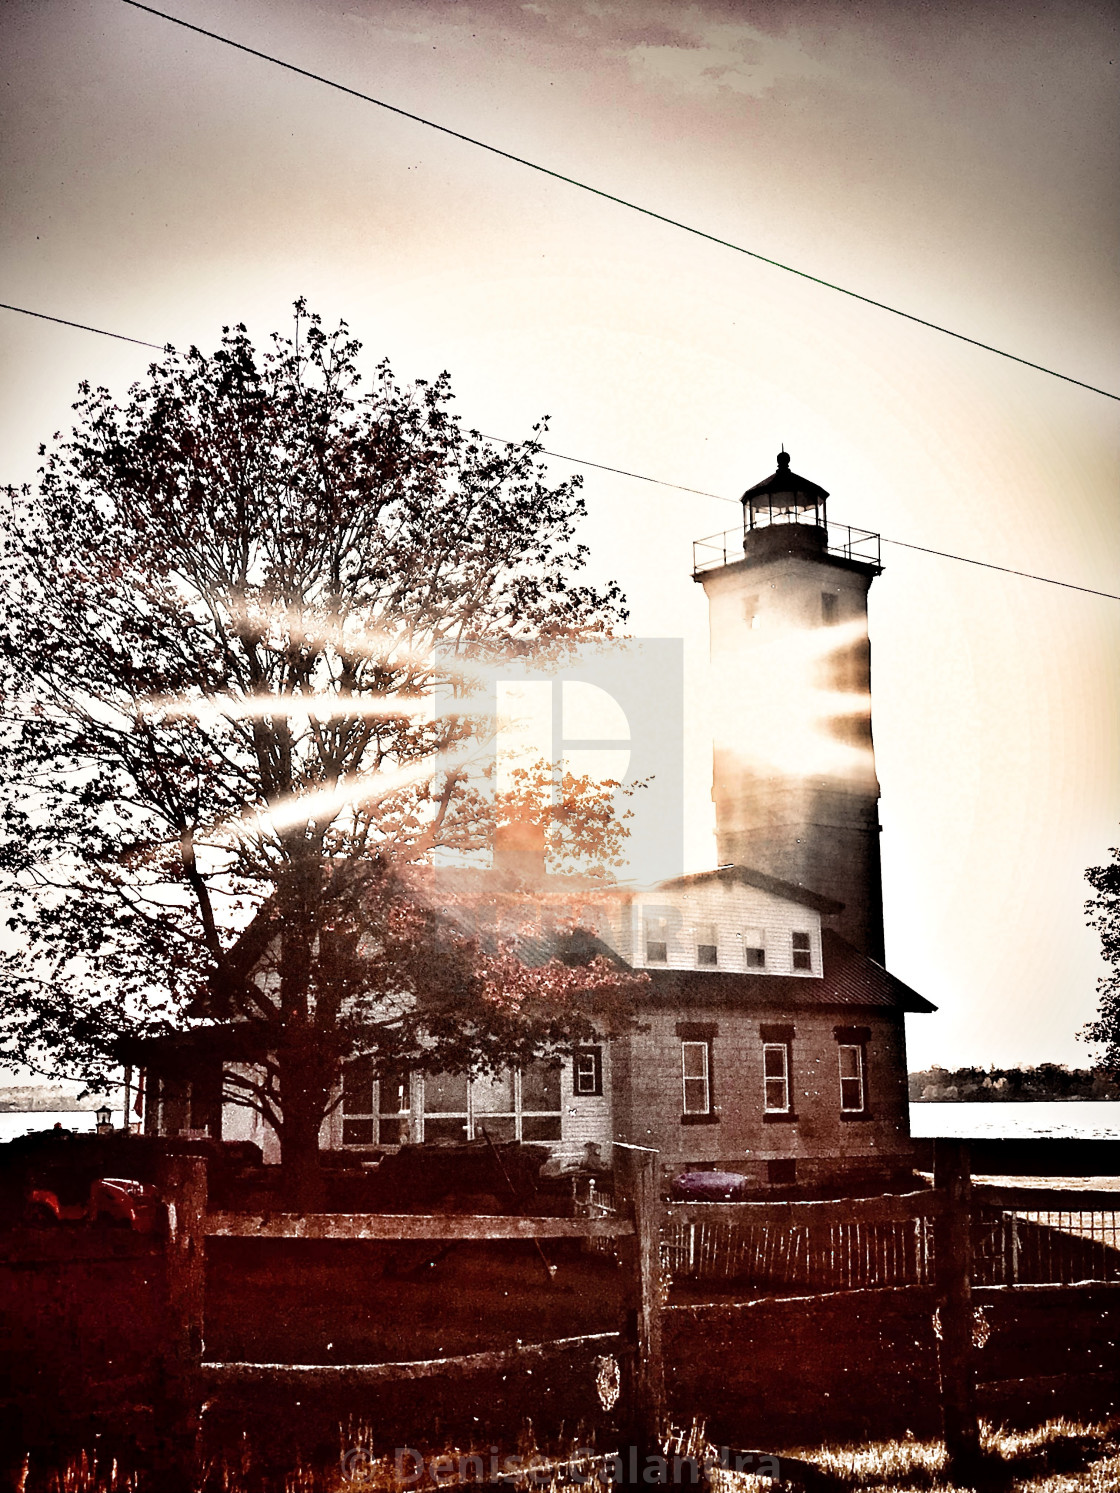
<point x="955" y="160"/>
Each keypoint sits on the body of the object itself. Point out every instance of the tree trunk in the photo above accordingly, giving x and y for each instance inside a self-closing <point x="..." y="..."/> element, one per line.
<point x="303" y="1093"/>
<point x="302" y="1181"/>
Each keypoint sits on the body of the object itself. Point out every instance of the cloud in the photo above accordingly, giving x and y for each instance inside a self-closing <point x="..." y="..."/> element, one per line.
<point x="745" y="63"/>
<point x="689" y="50"/>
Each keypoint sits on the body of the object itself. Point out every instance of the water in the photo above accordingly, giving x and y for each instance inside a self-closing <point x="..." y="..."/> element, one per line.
<point x="1088" y="1119"/>
<point x="15" y="1123"/>
<point x="1080" y="1118"/>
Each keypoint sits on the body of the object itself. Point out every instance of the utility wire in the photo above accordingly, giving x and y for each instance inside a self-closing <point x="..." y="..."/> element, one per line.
<point x="987" y="565"/>
<point x="619" y="471"/>
<point x="81" y="326"/>
<point x="599" y="466"/>
<point x="611" y="197"/>
<point x="901" y="543"/>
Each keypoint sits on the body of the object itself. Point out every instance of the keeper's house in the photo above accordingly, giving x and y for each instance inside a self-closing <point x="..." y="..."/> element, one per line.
<point x="764" y="1044"/>
<point x="770" y="1038"/>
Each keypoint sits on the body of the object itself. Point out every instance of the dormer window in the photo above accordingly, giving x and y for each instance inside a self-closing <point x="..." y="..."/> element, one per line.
<point x="707" y="945"/>
<point x="802" y="951"/>
<point x="657" y="939"/>
<point x="754" y="949"/>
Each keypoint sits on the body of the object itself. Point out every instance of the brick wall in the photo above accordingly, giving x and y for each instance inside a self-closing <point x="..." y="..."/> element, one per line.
<point x="823" y="1142"/>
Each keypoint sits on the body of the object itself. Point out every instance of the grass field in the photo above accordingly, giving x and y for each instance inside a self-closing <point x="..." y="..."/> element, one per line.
<point x="1060" y="1456"/>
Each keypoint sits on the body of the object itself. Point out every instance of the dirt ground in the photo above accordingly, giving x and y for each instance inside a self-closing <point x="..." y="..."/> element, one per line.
<point x="342" y="1301"/>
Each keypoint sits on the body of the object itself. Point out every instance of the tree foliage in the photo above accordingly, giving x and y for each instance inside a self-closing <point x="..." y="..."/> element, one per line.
<point x="250" y="613"/>
<point x="1103" y="913"/>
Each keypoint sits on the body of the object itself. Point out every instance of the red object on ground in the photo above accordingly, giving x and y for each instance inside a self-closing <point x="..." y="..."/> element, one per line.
<point x="112" y="1200"/>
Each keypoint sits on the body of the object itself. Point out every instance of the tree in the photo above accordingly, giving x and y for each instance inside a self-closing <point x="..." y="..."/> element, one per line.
<point x="249" y="616"/>
<point x="1103" y="913"/>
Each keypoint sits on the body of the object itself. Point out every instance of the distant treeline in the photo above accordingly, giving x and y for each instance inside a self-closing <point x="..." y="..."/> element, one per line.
<point x="1047" y="1081"/>
<point x="36" y="1098"/>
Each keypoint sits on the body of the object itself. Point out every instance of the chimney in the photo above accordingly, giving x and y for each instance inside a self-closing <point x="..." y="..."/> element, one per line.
<point x="519" y="850"/>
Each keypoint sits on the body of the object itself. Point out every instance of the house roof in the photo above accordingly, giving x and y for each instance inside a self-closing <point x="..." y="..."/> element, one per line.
<point x="746" y="876"/>
<point x="849" y="979"/>
<point x="232" y="1041"/>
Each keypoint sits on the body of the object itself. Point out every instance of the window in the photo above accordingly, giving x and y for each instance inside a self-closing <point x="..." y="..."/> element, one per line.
<point x="393" y="1107"/>
<point x="802" y="951"/>
<point x="851" y="1078"/>
<point x="538" y="1100"/>
<point x="587" y="1070"/>
<point x="657" y="939"/>
<point x="509" y="1105"/>
<point x="784" y="1171"/>
<point x="446" y="1114"/>
<point x="358" y="1110"/>
<point x="492" y="1107"/>
<point x="707" y="944"/>
<point x="754" y="949"/>
<point x="696" y="1076"/>
<point x="750" y="611"/>
<point x="374" y="1111"/>
<point x="775" y="1077"/>
<point x="829" y="606"/>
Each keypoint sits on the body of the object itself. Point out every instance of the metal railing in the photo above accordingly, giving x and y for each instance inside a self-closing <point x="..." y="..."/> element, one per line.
<point x="843" y="540"/>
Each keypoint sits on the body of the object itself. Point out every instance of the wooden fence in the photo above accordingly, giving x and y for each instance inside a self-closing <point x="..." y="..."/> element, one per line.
<point x="635" y="1234"/>
<point x="949" y="1237"/>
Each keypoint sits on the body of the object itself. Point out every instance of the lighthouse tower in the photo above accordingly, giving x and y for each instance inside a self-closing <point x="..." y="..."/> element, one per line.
<point x="794" y="783"/>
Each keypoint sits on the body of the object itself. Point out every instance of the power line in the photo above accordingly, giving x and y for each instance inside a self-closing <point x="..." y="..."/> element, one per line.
<point x="987" y="565"/>
<point x="901" y="543"/>
<point x="81" y="326"/>
<point x="599" y="466"/>
<point x="611" y="197"/>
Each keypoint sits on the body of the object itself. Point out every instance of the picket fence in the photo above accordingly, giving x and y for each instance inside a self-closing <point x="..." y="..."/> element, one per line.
<point x="1024" y="1244"/>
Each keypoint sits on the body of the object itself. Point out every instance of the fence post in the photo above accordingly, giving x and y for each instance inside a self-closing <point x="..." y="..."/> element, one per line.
<point x="953" y="1261"/>
<point x="639" y="1173"/>
<point x="183" y="1185"/>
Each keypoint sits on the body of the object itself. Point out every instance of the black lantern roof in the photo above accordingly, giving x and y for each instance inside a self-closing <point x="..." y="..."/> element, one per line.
<point x="787" y="484"/>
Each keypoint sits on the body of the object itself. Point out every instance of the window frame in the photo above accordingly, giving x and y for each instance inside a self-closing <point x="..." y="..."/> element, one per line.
<point x="778" y="1037"/>
<point x="702" y="1034"/>
<point x="368" y="1115"/>
<point x="854" y="1038"/>
<point x="702" y="1045"/>
<point x="660" y="923"/>
<point x="856" y="1078"/>
<point x="783" y="1078"/>
<point x="800" y="952"/>
<point x="713" y="945"/>
<point x="474" y="1120"/>
<point x="595" y="1054"/>
<point x="417" y="1117"/>
<point x="751" y="947"/>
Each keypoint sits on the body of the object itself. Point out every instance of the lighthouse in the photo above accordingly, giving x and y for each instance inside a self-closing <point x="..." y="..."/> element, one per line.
<point x="794" y="782"/>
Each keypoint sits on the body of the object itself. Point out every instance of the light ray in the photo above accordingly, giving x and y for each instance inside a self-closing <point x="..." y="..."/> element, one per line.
<point x="322" y="805"/>
<point x="772" y="714"/>
<point x="293" y="707"/>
